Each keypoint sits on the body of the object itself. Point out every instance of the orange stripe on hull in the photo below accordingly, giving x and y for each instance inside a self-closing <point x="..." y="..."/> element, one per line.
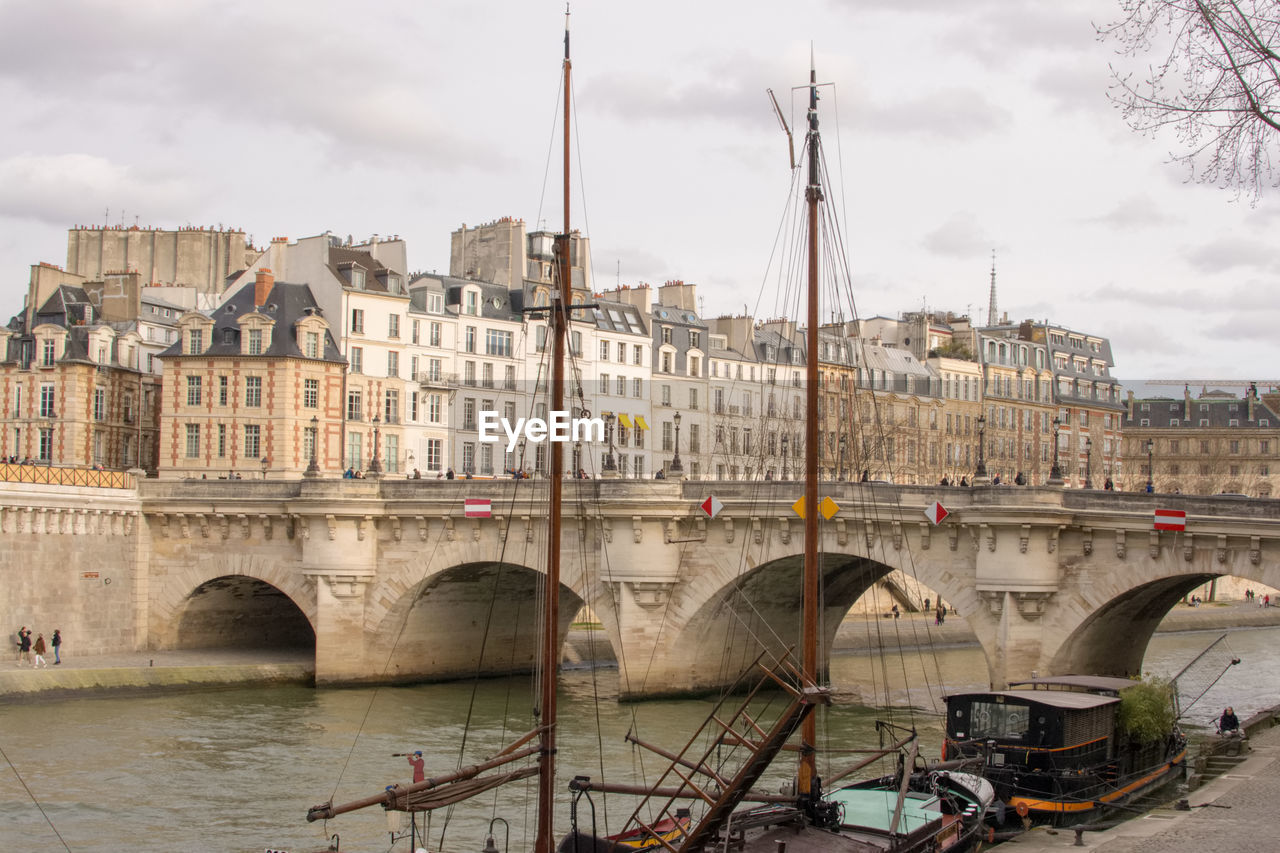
<point x="1055" y="807"/>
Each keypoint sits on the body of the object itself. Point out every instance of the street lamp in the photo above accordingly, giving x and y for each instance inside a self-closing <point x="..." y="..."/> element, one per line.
<point x="981" y="470"/>
<point x="840" y="459"/>
<point x="675" y="467"/>
<point x="1088" y="463"/>
<point x="375" y="464"/>
<point x="610" y="467"/>
<point x="785" y="470"/>
<point x="266" y="463"/>
<point x="1055" y="473"/>
<point x="1151" y="470"/>
<point x="577" y="458"/>
<point x="313" y="467"/>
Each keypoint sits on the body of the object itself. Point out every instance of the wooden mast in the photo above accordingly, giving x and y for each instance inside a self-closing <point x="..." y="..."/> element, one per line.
<point x="809" y="660"/>
<point x="561" y="296"/>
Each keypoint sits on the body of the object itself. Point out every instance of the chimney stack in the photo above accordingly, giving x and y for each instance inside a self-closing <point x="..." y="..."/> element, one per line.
<point x="262" y="287"/>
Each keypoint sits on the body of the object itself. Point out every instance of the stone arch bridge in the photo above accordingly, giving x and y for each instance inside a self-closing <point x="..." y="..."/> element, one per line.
<point x="392" y="582"/>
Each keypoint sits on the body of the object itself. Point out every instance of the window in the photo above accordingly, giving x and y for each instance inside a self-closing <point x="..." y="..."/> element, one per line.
<point x="695" y="340"/>
<point x="434" y="408"/>
<point x="354" y="407"/>
<point x="393" y="364"/>
<point x="415" y="330"/>
<point x="497" y="342"/>
<point x="391" y="407"/>
<point x="393" y="327"/>
<point x="1235" y="447"/>
<point x="622" y="386"/>
<point x="666" y="362"/>
<point x="666" y="334"/>
<point x="253" y="391"/>
<point x="252" y="441"/>
<point x="667" y="439"/>
<point x="312" y="345"/>
<point x="357" y="359"/>
<point x="435" y="454"/>
<point x="99" y="404"/>
<point x="470" y="339"/>
<point x="311" y="393"/>
<point x="355" y="450"/>
<point x="255" y="342"/>
<point x="604" y="384"/>
<point x="309" y="448"/>
<point x="393" y="453"/>
<point x="49" y="352"/>
<point x="193" y="391"/>
<point x="193" y="441"/>
<point x="469" y="413"/>
<point x="637" y="387"/>
<point x="472" y="303"/>
<point x="693" y="399"/>
<point x="195" y="342"/>
<point x="637" y="354"/>
<point x="223" y="382"/>
<point x="413" y="406"/>
<point x="222" y="441"/>
<point x="604" y="350"/>
<point x="434" y="333"/>
<point x="666" y="395"/>
<point x="357" y="321"/>
<point x="435" y="304"/>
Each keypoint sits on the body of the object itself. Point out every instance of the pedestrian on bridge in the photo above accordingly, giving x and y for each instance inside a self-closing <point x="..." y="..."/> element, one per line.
<point x="39" y="649"/>
<point x="57" y="646"/>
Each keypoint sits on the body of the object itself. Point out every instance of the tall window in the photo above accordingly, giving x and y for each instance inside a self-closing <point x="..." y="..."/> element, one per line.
<point x="469" y="413"/>
<point x="435" y="454"/>
<point x="193" y="441"/>
<point x="357" y="321"/>
<point x="468" y="457"/>
<point x="473" y="303"/>
<point x="193" y="390"/>
<point x="434" y="408"/>
<point x="313" y="344"/>
<point x="393" y="364"/>
<point x="434" y="339"/>
<point x="253" y="391"/>
<point x="497" y="342"/>
<point x="252" y="441"/>
<point x="393" y="326"/>
<point x="637" y="387"/>
<point x="49" y="352"/>
<point x="391" y="408"/>
<point x="222" y="440"/>
<point x="392" y="453"/>
<point x="311" y="393"/>
<point x="195" y="341"/>
<point x="308" y="443"/>
<point x="354" y="407"/>
<point x="46" y="444"/>
<point x="354" y="451"/>
<point x="357" y="360"/>
<point x="469" y="339"/>
<point x="223" y="389"/>
<point x="255" y="342"/>
<point x="99" y="404"/>
<point x="637" y="354"/>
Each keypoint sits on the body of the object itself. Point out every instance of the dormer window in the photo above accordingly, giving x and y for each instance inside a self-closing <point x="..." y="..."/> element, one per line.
<point x="255" y="342"/>
<point x="435" y="303"/>
<point x="393" y="284"/>
<point x="357" y="278"/>
<point x="471" y="303"/>
<point x="195" y="341"/>
<point x="49" y="352"/>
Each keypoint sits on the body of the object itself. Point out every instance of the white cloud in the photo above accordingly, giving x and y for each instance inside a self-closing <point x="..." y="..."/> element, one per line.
<point x="68" y="189"/>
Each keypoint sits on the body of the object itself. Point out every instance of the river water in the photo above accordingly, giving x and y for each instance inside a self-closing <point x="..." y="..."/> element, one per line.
<point x="236" y="770"/>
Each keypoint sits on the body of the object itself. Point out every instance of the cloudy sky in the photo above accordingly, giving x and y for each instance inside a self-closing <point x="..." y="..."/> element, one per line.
<point x="957" y="129"/>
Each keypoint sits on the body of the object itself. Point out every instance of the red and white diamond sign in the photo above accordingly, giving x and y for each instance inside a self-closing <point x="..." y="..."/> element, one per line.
<point x="712" y="506"/>
<point x="935" y="512"/>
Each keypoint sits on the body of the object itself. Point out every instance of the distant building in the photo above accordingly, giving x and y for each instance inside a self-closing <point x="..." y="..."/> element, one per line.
<point x="1206" y="445"/>
<point x="201" y="258"/>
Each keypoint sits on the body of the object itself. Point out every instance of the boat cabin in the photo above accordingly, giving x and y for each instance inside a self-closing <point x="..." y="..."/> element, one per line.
<point x="1046" y="724"/>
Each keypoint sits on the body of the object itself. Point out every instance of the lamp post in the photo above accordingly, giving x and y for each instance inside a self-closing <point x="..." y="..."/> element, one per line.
<point x="1088" y="463"/>
<point x="785" y="470"/>
<point x="840" y="459"/>
<point x="266" y="463"/>
<point x="375" y="464"/>
<point x="610" y="467"/>
<point x="313" y="467"/>
<point x="1151" y="469"/>
<point x="981" y="470"/>
<point x="577" y="458"/>
<point x="675" y="467"/>
<point x="1055" y="473"/>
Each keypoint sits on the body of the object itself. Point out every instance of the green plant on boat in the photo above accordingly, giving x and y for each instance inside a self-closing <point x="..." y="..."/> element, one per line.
<point x="1146" y="711"/>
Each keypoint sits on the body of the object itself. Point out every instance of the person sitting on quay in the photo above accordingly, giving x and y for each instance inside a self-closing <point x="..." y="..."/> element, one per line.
<point x="1229" y="722"/>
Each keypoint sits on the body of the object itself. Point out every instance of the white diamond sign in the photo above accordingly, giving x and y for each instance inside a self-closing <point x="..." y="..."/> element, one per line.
<point x="935" y="512"/>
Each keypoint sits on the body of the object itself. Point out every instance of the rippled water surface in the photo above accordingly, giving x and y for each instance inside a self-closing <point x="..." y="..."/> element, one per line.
<point x="237" y="769"/>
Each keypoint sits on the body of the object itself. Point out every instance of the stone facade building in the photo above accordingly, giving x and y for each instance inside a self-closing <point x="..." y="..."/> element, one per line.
<point x="1211" y="444"/>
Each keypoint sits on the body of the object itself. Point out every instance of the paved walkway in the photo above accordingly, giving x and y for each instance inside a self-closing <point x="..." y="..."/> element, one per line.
<point x="1235" y="813"/>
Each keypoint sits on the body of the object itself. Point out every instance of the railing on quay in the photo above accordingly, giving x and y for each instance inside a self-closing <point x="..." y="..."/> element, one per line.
<point x="49" y="475"/>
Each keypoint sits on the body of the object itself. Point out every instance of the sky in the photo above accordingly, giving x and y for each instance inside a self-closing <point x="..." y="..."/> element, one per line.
<point x="953" y="131"/>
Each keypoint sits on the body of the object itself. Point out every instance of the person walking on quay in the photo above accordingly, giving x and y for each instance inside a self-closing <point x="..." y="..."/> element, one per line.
<point x="24" y="645"/>
<point x="57" y="646"/>
<point x="39" y="649"/>
<point x="940" y="615"/>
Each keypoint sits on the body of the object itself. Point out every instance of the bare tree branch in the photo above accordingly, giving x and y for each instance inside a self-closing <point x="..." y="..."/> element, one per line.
<point x="1217" y="88"/>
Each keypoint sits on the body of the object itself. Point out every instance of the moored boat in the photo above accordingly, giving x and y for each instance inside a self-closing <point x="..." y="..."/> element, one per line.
<point x="1054" y="750"/>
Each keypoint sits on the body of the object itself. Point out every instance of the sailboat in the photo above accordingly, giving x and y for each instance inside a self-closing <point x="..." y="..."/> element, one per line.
<point x="708" y="796"/>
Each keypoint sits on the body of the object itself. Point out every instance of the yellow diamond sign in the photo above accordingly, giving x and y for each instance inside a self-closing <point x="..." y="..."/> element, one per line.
<point x="828" y="508"/>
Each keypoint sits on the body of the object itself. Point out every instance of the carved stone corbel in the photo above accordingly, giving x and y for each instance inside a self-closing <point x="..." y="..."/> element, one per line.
<point x="1153" y="544"/>
<point x="953" y="537"/>
<point x="606" y="527"/>
<point x="299" y="527"/>
<point x="728" y="530"/>
<point x="1188" y="546"/>
<point x="203" y="521"/>
<point x="448" y="528"/>
<point x="1086" y="540"/>
<point x="870" y="528"/>
<point x="994" y="599"/>
<point x="332" y="522"/>
<point x="784" y="530"/>
<point x="1255" y="550"/>
<point x="161" y="517"/>
<point x="128" y="523"/>
<point x="925" y="533"/>
<point x="842" y="532"/>
<point x="1222" y="549"/>
<point x="1120" y="546"/>
<point x="342" y="586"/>
<point x="422" y="527"/>
<point x="244" y="525"/>
<point x="224" y="525"/>
<point x="396" y="532"/>
<point x="637" y="528"/>
<point x="897" y="535"/>
<point x="1031" y="604"/>
<point x="651" y="595"/>
<point x="1024" y="538"/>
<point x="183" y="527"/>
<point x="1054" y="533"/>
<point x="268" y="530"/>
<point x="990" y="533"/>
<point x="757" y="531"/>
<point x="475" y="530"/>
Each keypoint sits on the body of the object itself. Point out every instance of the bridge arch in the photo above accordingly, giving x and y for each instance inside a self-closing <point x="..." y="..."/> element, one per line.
<point x="241" y="612"/>
<point x="480" y="617"/>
